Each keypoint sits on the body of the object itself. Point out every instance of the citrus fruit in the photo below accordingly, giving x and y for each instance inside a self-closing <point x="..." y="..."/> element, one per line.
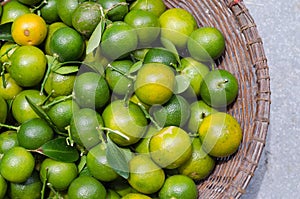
<point x="12" y="10"/>
<point x="11" y="88"/>
<point x="220" y="134"/>
<point x="179" y="186"/>
<point x="61" y="113"/>
<point x="49" y="12"/>
<point x="30" y="2"/>
<point x="135" y="196"/>
<point x="17" y="165"/>
<point x="97" y="164"/>
<point x="206" y="43"/>
<point x="119" y="83"/>
<point x="116" y="9"/>
<point x="118" y="39"/>
<point x="144" y="175"/>
<point x="160" y="55"/>
<point x="121" y="186"/>
<point x="24" y="61"/>
<point x="200" y="165"/>
<point x="146" y="23"/>
<point x="111" y="194"/>
<point x="142" y="146"/>
<point x="3" y="110"/>
<point x="29" y="29"/>
<point x="51" y="29"/>
<point x="199" y="110"/>
<point x="219" y="88"/>
<point x="3" y="187"/>
<point x="195" y="71"/>
<point x="7" y="50"/>
<point x="154" y="83"/>
<point x="67" y="38"/>
<point x="86" y="187"/>
<point x="128" y="119"/>
<point x="175" y="112"/>
<point x="156" y="7"/>
<point x="177" y="24"/>
<point x="170" y="147"/>
<point x="30" y="189"/>
<point x="34" y="133"/>
<point x="86" y="17"/>
<point x="59" y="85"/>
<point x="58" y="174"/>
<point x="8" y="140"/>
<point x="91" y="90"/>
<point x="139" y="54"/>
<point x="21" y="109"/>
<point x="65" y="10"/>
<point x="84" y="127"/>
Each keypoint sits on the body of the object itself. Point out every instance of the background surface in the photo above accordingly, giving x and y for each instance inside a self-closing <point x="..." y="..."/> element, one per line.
<point x="278" y="172"/>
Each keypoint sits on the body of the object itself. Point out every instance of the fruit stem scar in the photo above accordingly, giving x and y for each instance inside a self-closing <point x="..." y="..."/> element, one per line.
<point x="26" y="32"/>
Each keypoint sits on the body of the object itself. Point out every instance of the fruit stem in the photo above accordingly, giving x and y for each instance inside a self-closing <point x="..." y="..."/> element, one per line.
<point x="44" y="185"/>
<point x="57" y="101"/>
<point x="147" y="115"/>
<point x="3" y="75"/>
<point x="128" y="94"/>
<point x="9" y="126"/>
<point x="121" y="72"/>
<point x="32" y="10"/>
<point x="115" y="6"/>
<point x="114" y="131"/>
<point x="101" y="136"/>
<point x="69" y="139"/>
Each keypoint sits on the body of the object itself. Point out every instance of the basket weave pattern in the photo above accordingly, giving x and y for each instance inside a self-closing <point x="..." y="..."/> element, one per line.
<point x="245" y="58"/>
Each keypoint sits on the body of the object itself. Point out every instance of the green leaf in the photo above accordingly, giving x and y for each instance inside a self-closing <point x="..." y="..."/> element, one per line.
<point x="5" y="32"/>
<point x="135" y="67"/>
<point x="171" y="47"/>
<point x="117" y="158"/>
<point x="59" y="150"/>
<point x="41" y="113"/>
<point x="182" y="84"/>
<point x="82" y="163"/>
<point x="65" y="70"/>
<point x="96" y="36"/>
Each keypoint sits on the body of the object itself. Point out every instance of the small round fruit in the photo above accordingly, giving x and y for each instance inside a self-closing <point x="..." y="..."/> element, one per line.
<point x="91" y="90"/>
<point x="17" y="165"/>
<point x="155" y="83"/>
<point x="12" y="10"/>
<point x="179" y="186"/>
<point x="29" y="29"/>
<point x="220" y="134"/>
<point x="117" y="9"/>
<point x="219" y="88"/>
<point x="86" y="187"/>
<point x="8" y="140"/>
<point x="11" y="89"/>
<point x="144" y="175"/>
<point x="49" y="12"/>
<point x="157" y="7"/>
<point x="65" y="10"/>
<point x="170" y="147"/>
<point x="118" y="40"/>
<point x="206" y="44"/>
<point x="97" y="164"/>
<point x="84" y="127"/>
<point x="200" y="165"/>
<point x="30" y="189"/>
<point x="67" y="38"/>
<point x="28" y="66"/>
<point x="177" y="24"/>
<point x="3" y="187"/>
<point x="33" y="133"/>
<point x="128" y="119"/>
<point x="58" y="174"/>
<point x="21" y="109"/>
<point x="86" y="17"/>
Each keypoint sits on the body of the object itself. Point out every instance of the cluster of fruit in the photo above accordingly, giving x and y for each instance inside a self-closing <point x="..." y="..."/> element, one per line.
<point x="110" y="99"/>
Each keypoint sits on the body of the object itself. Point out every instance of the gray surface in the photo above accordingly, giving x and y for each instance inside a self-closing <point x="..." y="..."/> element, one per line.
<point x="278" y="173"/>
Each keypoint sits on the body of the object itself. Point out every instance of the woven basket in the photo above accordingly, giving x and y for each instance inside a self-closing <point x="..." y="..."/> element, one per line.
<point x="245" y="58"/>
